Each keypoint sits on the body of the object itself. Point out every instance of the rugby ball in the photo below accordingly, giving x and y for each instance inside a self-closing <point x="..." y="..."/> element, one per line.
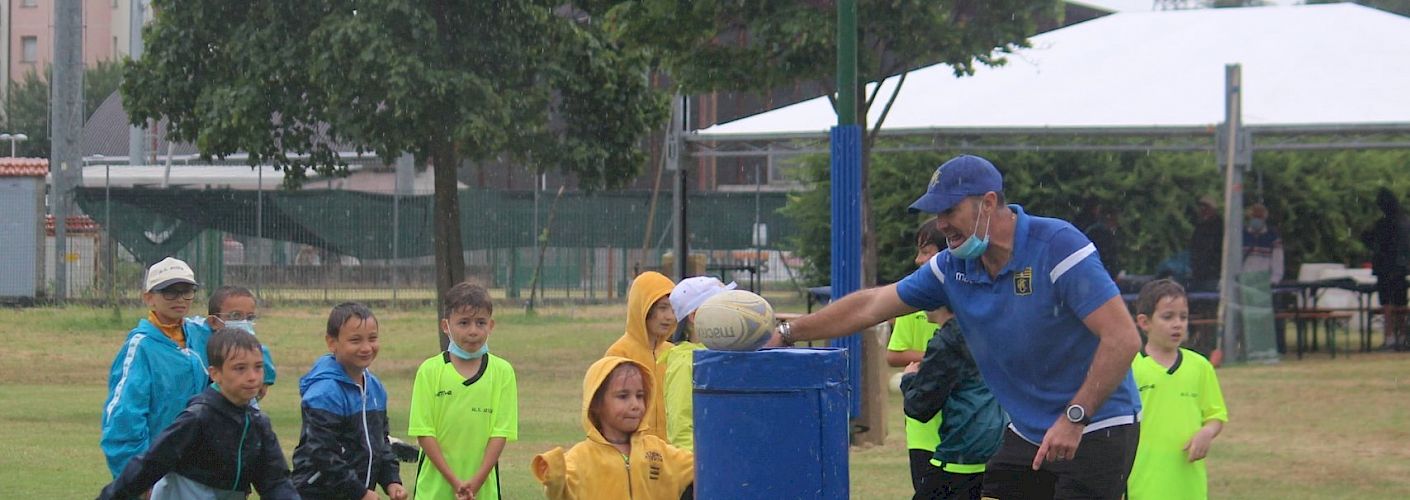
<point x="735" y="320"/>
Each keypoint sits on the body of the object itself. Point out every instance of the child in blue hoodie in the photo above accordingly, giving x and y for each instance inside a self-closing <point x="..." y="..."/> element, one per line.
<point x="155" y="371"/>
<point x="220" y="445"/>
<point x="344" y="452"/>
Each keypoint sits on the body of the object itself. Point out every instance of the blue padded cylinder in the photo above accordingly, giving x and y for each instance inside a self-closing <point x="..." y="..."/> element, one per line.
<point x="771" y="424"/>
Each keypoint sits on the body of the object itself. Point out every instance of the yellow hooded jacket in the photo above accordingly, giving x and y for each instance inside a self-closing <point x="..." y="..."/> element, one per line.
<point x="594" y="469"/>
<point x="634" y="344"/>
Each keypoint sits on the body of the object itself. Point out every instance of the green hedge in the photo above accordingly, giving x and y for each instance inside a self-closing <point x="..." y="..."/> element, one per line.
<point x="1320" y="201"/>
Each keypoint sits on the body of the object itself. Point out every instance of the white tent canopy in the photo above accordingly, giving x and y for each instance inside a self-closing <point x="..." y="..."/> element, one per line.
<point x="1314" y="64"/>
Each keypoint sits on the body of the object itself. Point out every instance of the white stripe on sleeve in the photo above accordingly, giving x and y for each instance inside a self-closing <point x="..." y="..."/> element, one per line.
<point x="1071" y="261"/>
<point x="126" y="370"/>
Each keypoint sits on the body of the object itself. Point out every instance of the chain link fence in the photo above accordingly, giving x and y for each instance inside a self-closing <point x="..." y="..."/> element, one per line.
<point x="328" y="245"/>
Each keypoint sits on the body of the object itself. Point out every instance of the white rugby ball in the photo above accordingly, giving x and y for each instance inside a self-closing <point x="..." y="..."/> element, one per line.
<point x="735" y="320"/>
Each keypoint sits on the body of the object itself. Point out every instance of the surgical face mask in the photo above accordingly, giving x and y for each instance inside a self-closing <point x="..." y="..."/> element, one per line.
<point x="973" y="247"/>
<point x="244" y="324"/>
<point x="457" y="351"/>
<point x="1257" y="225"/>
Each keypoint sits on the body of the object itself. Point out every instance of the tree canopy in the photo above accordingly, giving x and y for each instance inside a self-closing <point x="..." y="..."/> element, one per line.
<point x="753" y="45"/>
<point x="294" y="83"/>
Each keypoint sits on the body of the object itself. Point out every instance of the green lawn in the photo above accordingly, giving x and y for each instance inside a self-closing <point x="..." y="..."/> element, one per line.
<point x="1317" y="428"/>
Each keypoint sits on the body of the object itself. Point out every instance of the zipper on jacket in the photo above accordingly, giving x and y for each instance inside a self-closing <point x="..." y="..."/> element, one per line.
<point x="627" y="460"/>
<point x="366" y="436"/>
<point x="240" y="453"/>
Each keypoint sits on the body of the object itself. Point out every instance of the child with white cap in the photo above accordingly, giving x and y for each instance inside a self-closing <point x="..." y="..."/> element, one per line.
<point x="156" y="370"/>
<point x="685" y="298"/>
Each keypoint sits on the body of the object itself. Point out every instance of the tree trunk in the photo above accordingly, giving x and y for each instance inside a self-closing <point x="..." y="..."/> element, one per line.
<point x="450" y="254"/>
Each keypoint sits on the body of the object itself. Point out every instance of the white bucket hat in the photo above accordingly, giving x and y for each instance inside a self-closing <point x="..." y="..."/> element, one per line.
<point x="691" y="292"/>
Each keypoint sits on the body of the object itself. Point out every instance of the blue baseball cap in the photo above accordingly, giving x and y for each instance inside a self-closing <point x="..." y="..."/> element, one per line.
<point x="960" y="177"/>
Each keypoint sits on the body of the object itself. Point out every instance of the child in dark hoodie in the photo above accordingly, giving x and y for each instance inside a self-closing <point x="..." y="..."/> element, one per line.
<point x="344" y="451"/>
<point x="219" y="446"/>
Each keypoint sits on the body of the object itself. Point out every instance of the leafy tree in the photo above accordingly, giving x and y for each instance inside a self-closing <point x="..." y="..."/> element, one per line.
<point x="446" y="81"/>
<point x="27" y="109"/>
<point x="1319" y="201"/>
<point x="754" y="45"/>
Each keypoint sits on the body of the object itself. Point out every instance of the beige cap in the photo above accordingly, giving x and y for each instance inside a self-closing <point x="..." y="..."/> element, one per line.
<point x="168" y="272"/>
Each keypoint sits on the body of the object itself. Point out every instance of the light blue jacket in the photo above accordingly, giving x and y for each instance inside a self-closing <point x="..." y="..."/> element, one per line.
<point x="150" y="382"/>
<point x="200" y="342"/>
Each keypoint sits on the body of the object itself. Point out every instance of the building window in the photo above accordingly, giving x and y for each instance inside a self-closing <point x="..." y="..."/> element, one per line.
<point x="30" y="47"/>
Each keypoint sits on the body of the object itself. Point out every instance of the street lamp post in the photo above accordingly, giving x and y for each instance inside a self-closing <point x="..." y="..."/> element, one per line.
<point x="13" y="138"/>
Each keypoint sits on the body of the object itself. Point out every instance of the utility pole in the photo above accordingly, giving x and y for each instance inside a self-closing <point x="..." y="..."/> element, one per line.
<point x="136" y="136"/>
<point x="66" y="119"/>
<point x="675" y="144"/>
<point x="867" y="401"/>
<point x="1234" y="157"/>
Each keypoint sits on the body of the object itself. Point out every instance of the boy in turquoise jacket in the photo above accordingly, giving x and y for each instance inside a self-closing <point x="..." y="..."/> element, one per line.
<point x="156" y="371"/>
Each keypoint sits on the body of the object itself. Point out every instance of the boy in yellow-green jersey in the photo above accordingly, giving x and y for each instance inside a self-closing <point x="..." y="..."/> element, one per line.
<point x="464" y="404"/>
<point x="679" y="360"/>
<point x="1183" y="407"/>
<point x="907" y="345"/>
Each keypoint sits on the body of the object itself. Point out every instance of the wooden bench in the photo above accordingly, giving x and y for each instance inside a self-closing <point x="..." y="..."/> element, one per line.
<point x="1332" y="319"/>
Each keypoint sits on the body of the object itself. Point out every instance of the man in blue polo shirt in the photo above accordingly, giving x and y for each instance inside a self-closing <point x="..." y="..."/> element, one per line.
<point x="1045" y="323"/>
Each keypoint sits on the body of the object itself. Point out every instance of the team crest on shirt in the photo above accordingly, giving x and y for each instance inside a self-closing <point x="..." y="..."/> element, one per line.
<point x="1023" y="282"/>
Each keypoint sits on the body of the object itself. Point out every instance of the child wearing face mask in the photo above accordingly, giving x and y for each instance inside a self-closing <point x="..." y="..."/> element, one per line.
<point x="464" y="404"/>
<point x="618" y="459"/>
<point x="650" y="323"/>
<point x="233" y="307"/>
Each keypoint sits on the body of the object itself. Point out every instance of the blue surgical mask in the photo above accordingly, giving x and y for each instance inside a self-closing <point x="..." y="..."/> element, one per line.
<point x="458" y="352"/>
<point x="973" y="247"/>
<point x="1257" y="225"/>
<point x="244" y="324"/>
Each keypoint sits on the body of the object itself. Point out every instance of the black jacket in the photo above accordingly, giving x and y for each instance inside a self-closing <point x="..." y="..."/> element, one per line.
<point x="205" y="443"/>
<point x="949" y="383"/>
<point x="343" y="448"/>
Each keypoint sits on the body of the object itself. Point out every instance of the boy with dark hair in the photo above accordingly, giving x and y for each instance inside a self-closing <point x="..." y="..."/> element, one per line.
<point x="909" y="336"/>
<point x="157" y="369"/>
<point x="1183" y="406"/>
<point x="464" y="404"/>
<point x="219" y="446"/>
<point x="236" y="307"/>
<point x="343" y="449"/>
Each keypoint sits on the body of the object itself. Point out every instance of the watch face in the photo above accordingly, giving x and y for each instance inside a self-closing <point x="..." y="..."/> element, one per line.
<point x="1076" y="413"/>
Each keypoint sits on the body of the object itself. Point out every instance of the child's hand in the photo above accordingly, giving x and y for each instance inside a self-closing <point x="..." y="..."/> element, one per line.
<point x="396" y="491"/>
<point x="913" y="367"/>
<point x="465" y="490"/>
<point x="1198" y="446"/>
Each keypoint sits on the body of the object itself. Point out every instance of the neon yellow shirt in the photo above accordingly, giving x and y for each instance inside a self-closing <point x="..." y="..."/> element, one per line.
<point x="679" y="393"/>
<point x="462" y="415"/>
<point x="912" y="333"/>
<point x="1176" y="402"/>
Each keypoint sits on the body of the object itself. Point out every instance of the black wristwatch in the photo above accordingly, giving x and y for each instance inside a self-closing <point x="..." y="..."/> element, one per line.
<point x="1077" y="415"/>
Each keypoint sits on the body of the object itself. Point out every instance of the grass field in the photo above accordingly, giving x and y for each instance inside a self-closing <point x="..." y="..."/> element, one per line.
<point x="1317" y="428"/>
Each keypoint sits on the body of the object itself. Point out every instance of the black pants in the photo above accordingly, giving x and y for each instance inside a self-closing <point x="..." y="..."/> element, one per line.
<point x="1098" y="471"/>
<point x="933" y="483"/>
